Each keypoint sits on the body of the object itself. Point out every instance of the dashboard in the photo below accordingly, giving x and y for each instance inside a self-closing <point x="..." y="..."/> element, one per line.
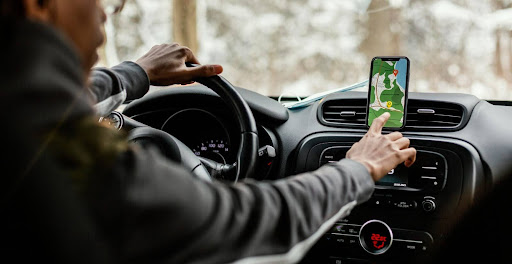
<point x="463" y="146"/>
<point x="198" y="118"/>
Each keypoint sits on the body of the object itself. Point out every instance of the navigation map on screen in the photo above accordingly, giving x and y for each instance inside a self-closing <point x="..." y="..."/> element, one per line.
<point x="388" y="91"/>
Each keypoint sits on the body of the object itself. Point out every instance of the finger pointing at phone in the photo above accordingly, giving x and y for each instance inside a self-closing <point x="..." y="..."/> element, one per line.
<point x="382" y="153"/>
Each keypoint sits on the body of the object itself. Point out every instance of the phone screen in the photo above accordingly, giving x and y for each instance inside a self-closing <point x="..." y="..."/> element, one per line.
<point x="389" y="78"/>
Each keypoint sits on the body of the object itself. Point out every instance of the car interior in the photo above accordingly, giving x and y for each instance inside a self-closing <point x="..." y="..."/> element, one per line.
<point x="224" y="132"/>
<point x="412" y="210"/>
<point x="459" y="157"/>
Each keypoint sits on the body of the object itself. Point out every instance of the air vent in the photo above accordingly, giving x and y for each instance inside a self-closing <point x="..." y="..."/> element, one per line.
<point x="434" y="115"/>
<point x="345" y="112"/>
<point x="422" y="115"/>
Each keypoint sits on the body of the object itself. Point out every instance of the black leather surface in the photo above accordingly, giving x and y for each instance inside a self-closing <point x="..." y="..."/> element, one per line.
<point x="234" y="101"/>
<point x="248" y="149"/>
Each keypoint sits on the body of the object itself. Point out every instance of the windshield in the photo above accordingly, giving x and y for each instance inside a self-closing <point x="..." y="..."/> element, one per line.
<point x="302" y="47"/>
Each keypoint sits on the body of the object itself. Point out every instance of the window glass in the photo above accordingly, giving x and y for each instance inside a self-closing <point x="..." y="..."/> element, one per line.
<point x="300" y="47"/>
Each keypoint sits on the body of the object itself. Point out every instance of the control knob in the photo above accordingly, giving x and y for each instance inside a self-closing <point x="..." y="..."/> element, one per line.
<point x="428" y="205"/>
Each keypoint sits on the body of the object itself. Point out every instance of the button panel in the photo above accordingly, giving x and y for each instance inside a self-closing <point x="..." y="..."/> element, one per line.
<point x="346" y="229"/>
<point x="403" y="204"/>
<point x="377" y="238"/>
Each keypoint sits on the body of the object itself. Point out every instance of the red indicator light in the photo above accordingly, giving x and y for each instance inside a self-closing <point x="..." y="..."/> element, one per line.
<point x="378" y="241"/>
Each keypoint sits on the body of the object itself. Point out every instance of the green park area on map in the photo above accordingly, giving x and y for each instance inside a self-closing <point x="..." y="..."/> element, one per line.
<point x="386" y="95"/>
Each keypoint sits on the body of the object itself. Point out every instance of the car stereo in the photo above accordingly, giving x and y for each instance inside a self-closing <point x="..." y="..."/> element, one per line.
<point x="410" y="209"/>
<point x="427" y="174"/>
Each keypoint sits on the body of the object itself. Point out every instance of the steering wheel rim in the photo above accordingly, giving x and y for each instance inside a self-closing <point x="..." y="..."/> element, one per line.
<point x="175" y="150"/>
<point x="248" y="147"/>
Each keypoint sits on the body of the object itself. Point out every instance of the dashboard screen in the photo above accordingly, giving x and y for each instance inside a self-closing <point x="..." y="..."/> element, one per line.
<point x="398" y="177"/>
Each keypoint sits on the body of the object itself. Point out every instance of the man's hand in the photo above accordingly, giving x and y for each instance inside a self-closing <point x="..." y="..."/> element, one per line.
<point x="165" y="65"/>
<point x="382" y="153"/>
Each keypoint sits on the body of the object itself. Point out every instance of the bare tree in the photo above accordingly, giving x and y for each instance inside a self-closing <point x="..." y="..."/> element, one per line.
<point x="185" y="23"/>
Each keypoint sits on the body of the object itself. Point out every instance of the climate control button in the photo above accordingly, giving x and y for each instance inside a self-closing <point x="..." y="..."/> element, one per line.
<point x="375" y="237"/>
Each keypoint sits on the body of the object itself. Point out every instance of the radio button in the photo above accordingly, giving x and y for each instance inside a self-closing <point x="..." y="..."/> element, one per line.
<point x="406" y="205"/>
<point x="346" y="229"/>
<point x="380" y="202"/>
<point x="328" y="157"/>
<point x="344" y="240"/>
<point x="353" y="230"/>
<point x="338" y="228"/>
<point x="428" y="205"/>
<point x="333" y="154"/>
<point x="352" y="241"/>
<point x="409" y="246"/>
<point x="341" y="240"/>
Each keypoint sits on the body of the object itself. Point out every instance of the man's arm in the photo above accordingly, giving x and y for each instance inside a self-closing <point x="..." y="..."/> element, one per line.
<point x="111" y="87"/>
<point x="164" y="214"/>
<point x="163" y="65"/>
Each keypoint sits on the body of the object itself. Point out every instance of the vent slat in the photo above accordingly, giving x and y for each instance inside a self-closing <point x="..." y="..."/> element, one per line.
<point x="443" y="115"/>
<point x="440" y="115"/>
<point x="346" y="120"/>
<point x="332" y="112"/>
<point x="345" y="106"/>
<point x="428" y="123"/>
<point x="338" y="113"/>
<point x="440" y="109"/>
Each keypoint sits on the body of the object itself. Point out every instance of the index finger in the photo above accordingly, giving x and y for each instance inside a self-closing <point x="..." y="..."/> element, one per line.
<point x="378" y="123"/>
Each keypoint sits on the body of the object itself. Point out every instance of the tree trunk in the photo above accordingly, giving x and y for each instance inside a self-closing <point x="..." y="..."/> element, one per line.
<point x="497" y="54"/>
<point x="380" y="39"/>
<point x="185" y="23"/>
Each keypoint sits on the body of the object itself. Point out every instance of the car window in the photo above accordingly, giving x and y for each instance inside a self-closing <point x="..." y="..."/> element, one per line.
<point x="301" y="47"/>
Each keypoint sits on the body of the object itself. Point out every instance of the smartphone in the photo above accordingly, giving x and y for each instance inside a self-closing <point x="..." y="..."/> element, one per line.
<point x="388" y="90"/>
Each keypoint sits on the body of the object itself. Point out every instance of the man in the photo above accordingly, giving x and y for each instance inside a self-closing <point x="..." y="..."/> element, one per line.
<point x="146" y="208"/>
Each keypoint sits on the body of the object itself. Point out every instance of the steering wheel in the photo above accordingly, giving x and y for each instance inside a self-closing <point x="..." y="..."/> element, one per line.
<point x="203" y="168"/>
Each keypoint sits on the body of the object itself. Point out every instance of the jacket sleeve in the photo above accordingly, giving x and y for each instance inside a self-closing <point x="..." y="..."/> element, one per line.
<point x="111" y="87"/>
<point x="168" y="216"/>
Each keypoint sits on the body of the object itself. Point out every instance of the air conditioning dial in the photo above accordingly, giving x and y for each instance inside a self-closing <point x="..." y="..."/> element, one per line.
<point x="375" y="237"/>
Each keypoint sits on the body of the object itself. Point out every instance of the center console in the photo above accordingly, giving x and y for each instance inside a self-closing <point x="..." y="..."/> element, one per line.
<point x="411" y="208"/>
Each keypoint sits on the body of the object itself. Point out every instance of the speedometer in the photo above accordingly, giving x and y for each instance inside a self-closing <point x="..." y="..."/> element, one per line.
<point x="214" y="149"/>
